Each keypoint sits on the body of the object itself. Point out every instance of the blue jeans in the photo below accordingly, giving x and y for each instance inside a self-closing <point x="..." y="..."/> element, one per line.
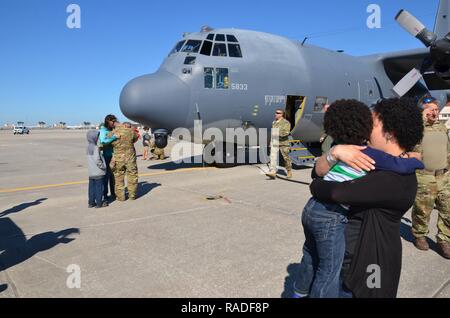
<point x="323" y="251"/>
<point x="96" y="192"/>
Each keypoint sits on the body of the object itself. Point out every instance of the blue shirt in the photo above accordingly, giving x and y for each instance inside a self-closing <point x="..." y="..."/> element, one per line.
<point x="105" y="141"/>
<point x="387" y="162"/>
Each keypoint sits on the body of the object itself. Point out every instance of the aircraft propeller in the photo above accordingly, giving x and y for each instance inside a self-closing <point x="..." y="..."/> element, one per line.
<point x="436" y="69"/>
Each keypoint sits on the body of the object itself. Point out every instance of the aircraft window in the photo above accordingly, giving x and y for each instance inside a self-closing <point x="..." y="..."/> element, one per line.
<point x="220" y="49"/>
<point x="210" y="37"/>
<point x="177" y="47"/>
<point x="209" y="77"/>
<point x="220" y="37"/>
<point x="222" y="79"/>
<point x="234" y="50"/>
<point x="206" y="48"/>
<point x="190" y="60"/>
<point x="192" y="46"/>
<point x="232" y="38"/>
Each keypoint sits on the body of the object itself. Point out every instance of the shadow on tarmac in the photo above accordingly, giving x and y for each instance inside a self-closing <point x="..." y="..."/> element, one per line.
<point x="190" y="162"/>
<point x="3" y="287"/>
<point x="21" y="207"/>
<point x="145" y="188"/>
<point x="293" y="271"/>
<point x="15" y="248"/>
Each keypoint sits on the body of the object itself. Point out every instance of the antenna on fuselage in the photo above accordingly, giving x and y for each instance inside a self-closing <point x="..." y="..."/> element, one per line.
<point x="206" y="29"/>
<point x="304" y="40"/>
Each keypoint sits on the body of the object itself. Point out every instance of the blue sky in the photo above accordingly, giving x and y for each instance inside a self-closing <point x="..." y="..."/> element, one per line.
<point x="51" y="73"/>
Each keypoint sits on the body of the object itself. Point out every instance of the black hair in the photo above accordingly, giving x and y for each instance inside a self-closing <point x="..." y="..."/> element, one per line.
<point x="348" y="121"/>
<point x="402" y="118"/>
<point x="109" y="118"/>
<point x="146" y="128"/>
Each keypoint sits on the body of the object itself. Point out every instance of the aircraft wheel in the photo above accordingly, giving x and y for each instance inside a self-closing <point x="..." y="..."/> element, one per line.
<point x="220" y="155"/>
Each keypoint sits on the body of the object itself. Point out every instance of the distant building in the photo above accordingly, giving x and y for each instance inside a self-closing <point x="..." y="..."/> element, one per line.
<point x="444" y="116"/>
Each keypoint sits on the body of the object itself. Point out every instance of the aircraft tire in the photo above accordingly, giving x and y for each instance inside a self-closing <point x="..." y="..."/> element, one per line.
<point x="222" y="157"/>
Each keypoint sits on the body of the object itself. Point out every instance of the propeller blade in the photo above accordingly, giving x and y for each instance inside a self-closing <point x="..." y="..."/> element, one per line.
<point x="407" y="82"/>
<point x="414" y="27"/>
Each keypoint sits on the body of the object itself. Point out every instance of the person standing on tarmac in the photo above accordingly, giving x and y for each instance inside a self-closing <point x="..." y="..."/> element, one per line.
<point x="106" y="146"/>
<point x="281" y="129"/>
<point x="434" y="181"/>
<point x="124" y="161"/>
<point x="326" y="141"/>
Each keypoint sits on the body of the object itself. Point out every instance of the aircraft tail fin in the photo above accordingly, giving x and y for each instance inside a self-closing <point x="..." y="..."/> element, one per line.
<point x="442" y="24"/>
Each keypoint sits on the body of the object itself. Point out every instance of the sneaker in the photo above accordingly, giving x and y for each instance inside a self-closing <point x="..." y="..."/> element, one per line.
<point x="297" y="295"/>
<point x="90" y="206"/>
<point x="105" y="204"/>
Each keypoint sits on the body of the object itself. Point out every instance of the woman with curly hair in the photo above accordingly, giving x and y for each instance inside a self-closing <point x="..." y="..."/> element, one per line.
<point x="377" y="201"/>
<point x="348" y="122"/>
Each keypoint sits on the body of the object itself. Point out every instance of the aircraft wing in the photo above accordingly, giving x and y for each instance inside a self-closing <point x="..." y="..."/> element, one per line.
<point x="398" y="64"/>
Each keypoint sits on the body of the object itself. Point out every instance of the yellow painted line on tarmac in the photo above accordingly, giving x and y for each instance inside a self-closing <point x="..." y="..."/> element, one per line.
<point x="60" y="185"/>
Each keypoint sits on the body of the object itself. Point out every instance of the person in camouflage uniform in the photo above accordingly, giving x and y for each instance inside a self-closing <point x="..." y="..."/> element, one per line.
<point x="434" y="181"/>
<point x="281" y="129"/>
<point x="157" y="152"/>
<point x="124" y="161"/>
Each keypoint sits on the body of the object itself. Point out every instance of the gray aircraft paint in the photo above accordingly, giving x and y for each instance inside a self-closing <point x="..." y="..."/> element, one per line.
<point x="272" y="65"/>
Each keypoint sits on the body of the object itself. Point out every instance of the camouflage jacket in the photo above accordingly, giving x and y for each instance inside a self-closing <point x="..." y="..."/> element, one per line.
<point x="436" y="127"/>
<point x="284" y="130"/>
<point x="124" y="145"/>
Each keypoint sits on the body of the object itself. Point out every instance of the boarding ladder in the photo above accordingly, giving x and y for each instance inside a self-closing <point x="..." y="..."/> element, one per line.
<point x="300" y="154"/>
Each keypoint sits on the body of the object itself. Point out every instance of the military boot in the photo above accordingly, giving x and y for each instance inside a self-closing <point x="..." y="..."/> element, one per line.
<point x="271" y="174"/>
<point x="421" y="243"/>
<point x="444" y="248"/>
<point x="289" y="174"/>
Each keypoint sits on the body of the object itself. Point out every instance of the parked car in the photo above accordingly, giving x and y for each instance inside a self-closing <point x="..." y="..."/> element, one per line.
<point x="21" y="130"/>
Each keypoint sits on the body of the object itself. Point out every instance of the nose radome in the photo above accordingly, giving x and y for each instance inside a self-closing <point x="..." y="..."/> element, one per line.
<point x="159" y="100"/>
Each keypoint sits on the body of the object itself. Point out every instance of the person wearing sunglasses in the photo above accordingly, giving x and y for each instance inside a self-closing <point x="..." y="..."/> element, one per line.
<point x="434" y="181"/>
<point x="281" y="129"/>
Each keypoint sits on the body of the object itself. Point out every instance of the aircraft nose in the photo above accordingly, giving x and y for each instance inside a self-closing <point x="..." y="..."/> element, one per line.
<point x="159" y="100"/>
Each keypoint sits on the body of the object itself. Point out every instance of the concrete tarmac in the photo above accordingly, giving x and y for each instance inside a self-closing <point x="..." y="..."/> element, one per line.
<point x="194" y="231"/>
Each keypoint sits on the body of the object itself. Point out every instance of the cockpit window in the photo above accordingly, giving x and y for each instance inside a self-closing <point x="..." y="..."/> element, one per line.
<point x="234" y="50"/>
<point x="206" y="48"/>
<point x="190" y="60"/>
<point x="220" y="37"/>
<point x="177" y="47"/>
<point x="192" y="46"/>
<point x="210" y="37"/>
<point x="231" y="38"/>
<point x="220" y="49"/>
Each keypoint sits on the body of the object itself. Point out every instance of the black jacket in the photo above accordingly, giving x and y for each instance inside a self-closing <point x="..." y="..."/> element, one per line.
<point x="378" y="203"/>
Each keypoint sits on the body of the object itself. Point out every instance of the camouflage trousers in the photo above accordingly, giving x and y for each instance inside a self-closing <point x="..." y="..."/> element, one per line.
<point x="128" y="168"/>
<point x="274" y="157"/>
<point x="159" y="153"/>
<point x="432" y="192"/>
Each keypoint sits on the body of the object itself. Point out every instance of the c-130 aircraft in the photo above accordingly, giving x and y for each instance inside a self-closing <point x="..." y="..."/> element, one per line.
<point x="231" y="78"/>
